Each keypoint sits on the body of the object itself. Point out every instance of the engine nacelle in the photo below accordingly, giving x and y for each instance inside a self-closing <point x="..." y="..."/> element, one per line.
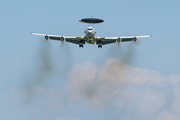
<point x="118" y="40"/>
<point x="46" y="37"/>
<point x="62" y="39"/>
<point x="134" y="39"/>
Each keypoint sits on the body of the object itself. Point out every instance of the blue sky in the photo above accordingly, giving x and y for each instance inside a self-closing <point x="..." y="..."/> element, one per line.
<point x="34" y="70"/>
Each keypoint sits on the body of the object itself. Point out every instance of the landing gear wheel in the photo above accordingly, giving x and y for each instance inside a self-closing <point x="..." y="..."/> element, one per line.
<point x="80" y="46"/>
<point x="99" y="46"/>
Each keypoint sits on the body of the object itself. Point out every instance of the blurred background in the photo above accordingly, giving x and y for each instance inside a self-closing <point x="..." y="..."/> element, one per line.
<point x="51" y="80"/>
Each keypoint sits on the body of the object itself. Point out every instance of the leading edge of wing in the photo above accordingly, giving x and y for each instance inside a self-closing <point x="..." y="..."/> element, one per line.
<point x="54" y="35"/>
<point x="137" y="36"/>
<point x="128" y="37"/>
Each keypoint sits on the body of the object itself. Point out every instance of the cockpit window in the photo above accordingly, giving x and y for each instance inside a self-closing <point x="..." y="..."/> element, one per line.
<point x="89" y="28"/>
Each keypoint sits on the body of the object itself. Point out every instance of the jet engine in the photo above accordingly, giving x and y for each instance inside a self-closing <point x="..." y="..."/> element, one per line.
<point x="46" y="37"/>
<point x="62" y="39"/>
<point x="118" y="40"/>
<point x="134" y="39"/>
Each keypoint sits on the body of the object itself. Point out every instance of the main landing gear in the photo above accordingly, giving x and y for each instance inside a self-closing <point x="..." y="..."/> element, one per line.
<point x="80" y="45"/>
<point x="99" y="43"/>
<point x="99" y="46"/>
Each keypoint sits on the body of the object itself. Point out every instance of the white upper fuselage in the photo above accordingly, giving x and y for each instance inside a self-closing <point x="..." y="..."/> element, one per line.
<point x="90" y="34"/>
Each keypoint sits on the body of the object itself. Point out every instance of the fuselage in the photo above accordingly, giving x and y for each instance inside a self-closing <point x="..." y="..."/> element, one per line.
<point x="89" y="35"/>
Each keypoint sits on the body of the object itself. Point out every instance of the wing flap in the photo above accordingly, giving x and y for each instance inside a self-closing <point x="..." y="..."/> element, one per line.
<point x="75" y="41"/>
<point x="104" y="42"/>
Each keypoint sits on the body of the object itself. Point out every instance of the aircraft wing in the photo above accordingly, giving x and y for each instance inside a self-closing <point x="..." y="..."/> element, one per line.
<point x="108" y="40"/>
<point x="130" y="38"/>
<point x="71" y="39"/>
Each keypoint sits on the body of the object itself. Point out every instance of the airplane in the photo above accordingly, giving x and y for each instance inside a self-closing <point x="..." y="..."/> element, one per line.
<point x="90" y="36"/>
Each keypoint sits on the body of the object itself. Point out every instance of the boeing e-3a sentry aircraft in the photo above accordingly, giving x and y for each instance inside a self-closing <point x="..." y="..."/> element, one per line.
<point x="90" y="36"/>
